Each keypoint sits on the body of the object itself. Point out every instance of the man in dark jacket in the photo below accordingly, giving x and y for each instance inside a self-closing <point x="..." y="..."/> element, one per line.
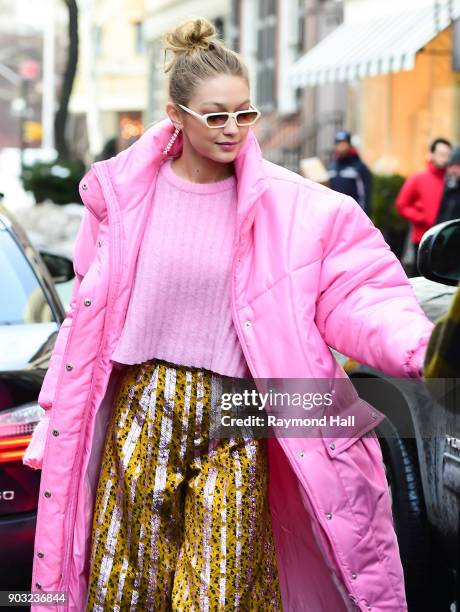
<point x="450" y="203"/>
<point x="348" y="174"/>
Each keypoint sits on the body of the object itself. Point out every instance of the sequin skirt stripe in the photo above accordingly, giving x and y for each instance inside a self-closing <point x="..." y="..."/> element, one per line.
<point x="181" y="519"/>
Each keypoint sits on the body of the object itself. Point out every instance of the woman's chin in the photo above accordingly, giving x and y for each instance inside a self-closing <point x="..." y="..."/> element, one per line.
<point x="224" y="157"/>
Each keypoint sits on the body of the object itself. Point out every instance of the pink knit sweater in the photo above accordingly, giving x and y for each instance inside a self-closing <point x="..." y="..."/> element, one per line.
<point x="179" y="308"/>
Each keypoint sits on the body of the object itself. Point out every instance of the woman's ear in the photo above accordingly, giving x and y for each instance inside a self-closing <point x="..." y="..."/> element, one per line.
<point x="174" y="115"/>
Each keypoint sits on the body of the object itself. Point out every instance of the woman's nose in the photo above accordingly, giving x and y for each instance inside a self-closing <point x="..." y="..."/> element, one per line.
<point x="231" y="127"/>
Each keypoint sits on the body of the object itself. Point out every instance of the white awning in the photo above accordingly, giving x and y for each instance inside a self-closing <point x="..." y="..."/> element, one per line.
<point x="359" y="50"/>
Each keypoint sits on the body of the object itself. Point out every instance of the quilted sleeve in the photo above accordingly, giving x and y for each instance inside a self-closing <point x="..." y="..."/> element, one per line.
<point x="366" y="307"/>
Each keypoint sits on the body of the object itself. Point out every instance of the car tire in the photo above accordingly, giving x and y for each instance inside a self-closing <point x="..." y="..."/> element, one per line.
<point x="409" y="514"/>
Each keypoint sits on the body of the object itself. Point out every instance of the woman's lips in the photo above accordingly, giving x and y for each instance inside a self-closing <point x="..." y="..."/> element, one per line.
<point x="227" y="146"/>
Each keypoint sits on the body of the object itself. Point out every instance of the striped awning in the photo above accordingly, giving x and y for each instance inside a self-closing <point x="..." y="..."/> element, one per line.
<point x="382" y="45"/>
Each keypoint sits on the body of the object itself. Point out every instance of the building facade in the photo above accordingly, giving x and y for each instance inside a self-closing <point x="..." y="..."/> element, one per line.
<point x="399" y="66"/>
<point x="391" y="80"/>
<point x="414" y="106"/>
<point x="272" y="36"/>
<point x="323" y="106"/>
<point x="109" y="98"/>
<point x="121" y="89"/>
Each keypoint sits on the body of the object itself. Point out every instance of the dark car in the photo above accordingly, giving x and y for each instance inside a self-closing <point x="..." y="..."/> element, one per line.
<point x="30" y="315"/>
<point x="420" y="440"/>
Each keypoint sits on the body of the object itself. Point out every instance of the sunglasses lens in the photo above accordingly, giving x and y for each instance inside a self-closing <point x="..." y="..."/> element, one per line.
<point x="247" y="117"/>
<point x="217" y="120"/>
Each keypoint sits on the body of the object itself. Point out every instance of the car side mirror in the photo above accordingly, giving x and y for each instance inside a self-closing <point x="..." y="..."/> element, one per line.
<point x="59" y="266"/>
<point x="438" y="257"/>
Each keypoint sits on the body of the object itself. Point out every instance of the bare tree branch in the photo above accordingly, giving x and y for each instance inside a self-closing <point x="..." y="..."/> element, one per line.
<point x="67" y="83"/>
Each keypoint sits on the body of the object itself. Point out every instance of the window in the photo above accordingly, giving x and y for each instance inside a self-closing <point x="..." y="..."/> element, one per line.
<point x="266" y="41"/>
<point x="219" y="25"/>
<point x="139" y="44"/>
<point x="97" y="40"/>
<point x="156" y="81"/>
<point x="26" y="301"/>
<point x="301" y="28"/>
<point x="235" y="23"/>
<point x="131" y="127"/>
<point x="267" y="8"/>
<point x="456" y="46"/>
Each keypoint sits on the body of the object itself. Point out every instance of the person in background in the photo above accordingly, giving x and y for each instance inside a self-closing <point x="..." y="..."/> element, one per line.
<point x="110" y="149"/>
<point x="450" y="202"/>
<point x="420" y="197"/>
<point x="348" y="174"/>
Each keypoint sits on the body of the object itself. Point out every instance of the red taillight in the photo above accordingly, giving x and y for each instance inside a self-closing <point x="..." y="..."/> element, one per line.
<point x="13" y="448"/>
<point x="16" y="427"/>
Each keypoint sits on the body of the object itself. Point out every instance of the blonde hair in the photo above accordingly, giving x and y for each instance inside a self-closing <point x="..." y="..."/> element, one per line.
<point x="199" y="54"/>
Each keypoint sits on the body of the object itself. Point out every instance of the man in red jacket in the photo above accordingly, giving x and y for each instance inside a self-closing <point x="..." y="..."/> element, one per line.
<point x="420" y="196"/>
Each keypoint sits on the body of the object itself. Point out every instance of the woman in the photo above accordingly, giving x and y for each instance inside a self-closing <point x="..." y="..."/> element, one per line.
<point x="280" y="268"/>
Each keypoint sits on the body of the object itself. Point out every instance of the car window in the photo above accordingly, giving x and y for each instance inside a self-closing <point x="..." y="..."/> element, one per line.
<point x="64" y="291"/>
<point x="23" y="300"/>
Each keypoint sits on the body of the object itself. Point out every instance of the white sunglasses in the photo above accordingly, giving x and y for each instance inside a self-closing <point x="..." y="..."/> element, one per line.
<point x="219" y="120"/>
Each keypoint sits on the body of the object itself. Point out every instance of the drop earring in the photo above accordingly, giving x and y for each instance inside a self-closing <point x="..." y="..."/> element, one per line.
<point x="171" y="141"/>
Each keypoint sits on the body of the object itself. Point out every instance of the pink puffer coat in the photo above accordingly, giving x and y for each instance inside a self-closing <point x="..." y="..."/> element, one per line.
<point x="309" y="271"/>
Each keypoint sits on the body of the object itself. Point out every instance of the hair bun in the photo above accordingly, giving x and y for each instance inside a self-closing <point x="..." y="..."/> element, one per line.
<point x="198" y="54"/>
<point x="190" y="36"/>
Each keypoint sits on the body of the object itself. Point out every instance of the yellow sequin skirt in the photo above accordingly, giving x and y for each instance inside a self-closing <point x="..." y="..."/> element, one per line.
<point x="181" y="518"/>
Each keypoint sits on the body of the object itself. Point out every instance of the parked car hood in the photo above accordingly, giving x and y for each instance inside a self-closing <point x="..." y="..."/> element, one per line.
<point x="25" y="344"/>
<point x="434" y="298"/>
